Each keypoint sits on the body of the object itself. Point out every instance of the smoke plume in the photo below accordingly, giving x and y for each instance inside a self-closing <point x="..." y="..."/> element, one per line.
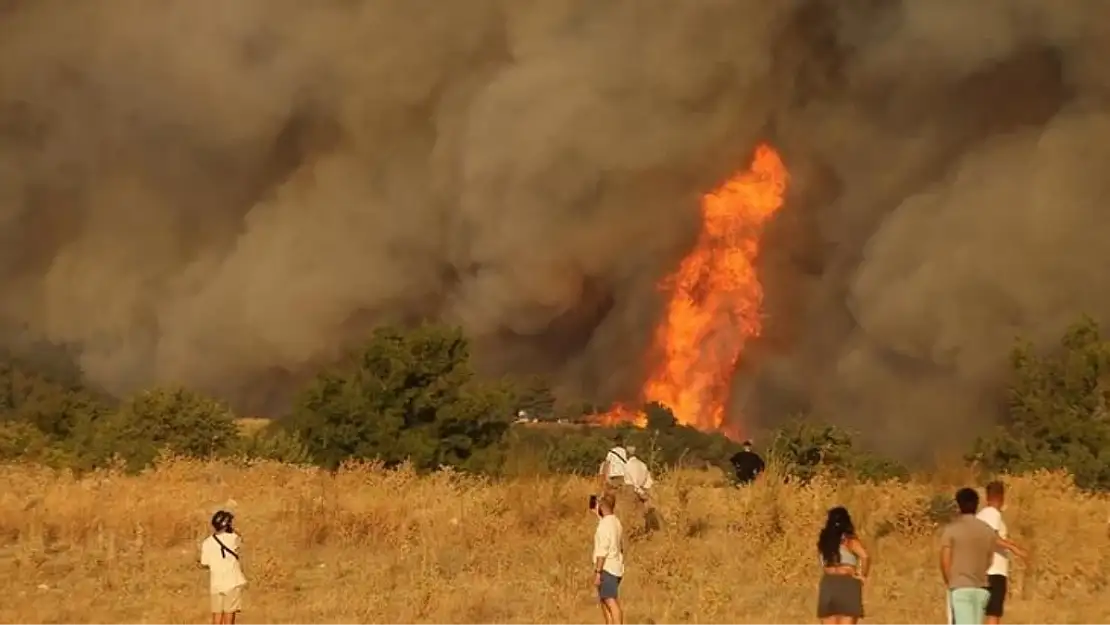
<point x="226" y="197"/>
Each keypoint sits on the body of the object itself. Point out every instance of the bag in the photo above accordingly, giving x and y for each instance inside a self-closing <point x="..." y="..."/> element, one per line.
<point x="224" y="549"/>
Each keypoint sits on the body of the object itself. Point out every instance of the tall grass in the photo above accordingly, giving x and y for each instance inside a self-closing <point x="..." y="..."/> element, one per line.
<point x="367" y="545"/>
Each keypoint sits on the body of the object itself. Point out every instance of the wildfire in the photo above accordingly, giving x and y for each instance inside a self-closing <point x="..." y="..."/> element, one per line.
<point x="715" y="301"/>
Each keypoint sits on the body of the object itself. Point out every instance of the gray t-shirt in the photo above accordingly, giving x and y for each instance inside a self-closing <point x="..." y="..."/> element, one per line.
<point x="972" y="542"/>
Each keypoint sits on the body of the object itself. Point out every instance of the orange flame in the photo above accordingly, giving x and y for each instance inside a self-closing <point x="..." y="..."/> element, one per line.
<point x="715" y="302"/>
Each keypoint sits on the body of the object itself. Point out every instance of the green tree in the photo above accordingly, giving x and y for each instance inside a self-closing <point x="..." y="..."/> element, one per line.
<point x="804" y="448"/>
<point x="1058" y="410"/>
<point x="534" y="396"/>
<point x="174" y="420"/>
<point x="59" y="410"/>
<point x="405" y="396"/>
<point x="659" y="417"/>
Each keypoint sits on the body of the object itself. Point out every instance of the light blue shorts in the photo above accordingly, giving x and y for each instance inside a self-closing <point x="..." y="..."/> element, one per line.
<point x="967" y="606"/>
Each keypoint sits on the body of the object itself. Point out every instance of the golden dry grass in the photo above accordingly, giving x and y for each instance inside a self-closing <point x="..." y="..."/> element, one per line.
<point x="372" y="546"/>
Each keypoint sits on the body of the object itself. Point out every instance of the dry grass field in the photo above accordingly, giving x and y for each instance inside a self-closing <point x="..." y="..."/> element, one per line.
<point x="372" y="546"/>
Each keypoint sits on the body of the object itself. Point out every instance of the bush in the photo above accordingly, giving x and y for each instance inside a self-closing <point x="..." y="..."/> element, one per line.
<point x="166" y="420"/>
<point x="405" y="396"/>
<point x="1058" y="411"/>
<point x="805" y="448"/>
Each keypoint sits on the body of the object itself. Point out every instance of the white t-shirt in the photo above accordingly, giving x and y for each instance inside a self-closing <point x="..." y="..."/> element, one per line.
<point x="992" y="516"/>
<point x="637" y="476"/>
<point x="617" y="458"/>
<point x="607" y="544"/>
<point x="225" y="571"/>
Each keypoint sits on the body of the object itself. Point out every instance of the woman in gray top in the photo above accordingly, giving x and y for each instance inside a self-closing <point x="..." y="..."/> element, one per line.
<point x="845" y="564"/>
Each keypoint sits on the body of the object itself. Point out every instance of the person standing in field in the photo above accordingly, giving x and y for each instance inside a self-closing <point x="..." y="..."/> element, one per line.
<point x="219" y="553"/>
<point x="967" y="551"/>
<point x="613" y="467"/>
<point x="638" y="477"/>
<point x="608" y="559"/>
<point x="747" y="464"/>
<point x="999" y="571"/>
<point x="846" y="564"/>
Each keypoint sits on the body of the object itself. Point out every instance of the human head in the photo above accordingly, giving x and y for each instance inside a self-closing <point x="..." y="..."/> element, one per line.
<point x="996" y="494"/>
<point x="967" y="500"/>
<point x="747" y="445"/>
<point x="618" y="441"/>
<point x="838" y="525"/>
<point x="606" y="504"/>
<point x="839" y="519"/>
<point x="221" y="521"/>
<point x="631" y="449"/>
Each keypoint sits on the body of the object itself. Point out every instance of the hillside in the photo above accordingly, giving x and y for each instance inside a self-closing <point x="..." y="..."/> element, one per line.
<point x="366" y="545"/>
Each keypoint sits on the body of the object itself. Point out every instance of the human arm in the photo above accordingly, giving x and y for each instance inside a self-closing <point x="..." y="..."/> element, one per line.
<point x="603" y="544"/>
<point x="1005" y="544"/>
<point x="946" y="557"/>
<point x="855" y="545"/>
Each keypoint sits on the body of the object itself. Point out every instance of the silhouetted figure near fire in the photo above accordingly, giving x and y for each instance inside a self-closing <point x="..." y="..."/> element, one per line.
<point x="747" y="464"/>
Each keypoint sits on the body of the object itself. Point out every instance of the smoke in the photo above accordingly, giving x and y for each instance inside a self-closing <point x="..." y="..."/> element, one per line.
<point x="226" y="198"/>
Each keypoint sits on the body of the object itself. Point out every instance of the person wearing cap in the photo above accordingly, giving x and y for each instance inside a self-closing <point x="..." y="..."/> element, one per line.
<point x="219" y="553"/>
<point x="747" y="464"/>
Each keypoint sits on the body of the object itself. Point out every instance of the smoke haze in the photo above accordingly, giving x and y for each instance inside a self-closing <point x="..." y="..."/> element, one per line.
<point x="227" y="195"/>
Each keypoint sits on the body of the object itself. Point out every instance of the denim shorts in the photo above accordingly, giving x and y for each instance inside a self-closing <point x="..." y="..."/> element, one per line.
<point x="609" y="585"/>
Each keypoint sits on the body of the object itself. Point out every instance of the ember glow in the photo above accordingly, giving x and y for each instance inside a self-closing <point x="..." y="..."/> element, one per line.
<point x="714" y="302"/>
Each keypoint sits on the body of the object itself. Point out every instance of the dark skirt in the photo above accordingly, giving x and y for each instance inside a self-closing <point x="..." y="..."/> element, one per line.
<point x="839" y="595"/>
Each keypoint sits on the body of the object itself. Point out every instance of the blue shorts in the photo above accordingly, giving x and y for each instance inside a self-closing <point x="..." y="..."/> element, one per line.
<point x="609" y="585"/>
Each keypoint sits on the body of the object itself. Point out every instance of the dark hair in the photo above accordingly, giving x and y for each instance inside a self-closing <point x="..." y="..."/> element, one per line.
<point x="618" y="440"/>
<point x="221" y="521"/>
<point x="996" y="489"/>
<point x="967" y="500"/>
<point x="838" y="526"/>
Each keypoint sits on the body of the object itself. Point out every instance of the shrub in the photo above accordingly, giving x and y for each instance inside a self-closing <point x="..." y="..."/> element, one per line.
<point x="166" y="420"/>
<point x="405" y="396"/>
<point x="805" y="448"/>
<point x="1058" y="410"/>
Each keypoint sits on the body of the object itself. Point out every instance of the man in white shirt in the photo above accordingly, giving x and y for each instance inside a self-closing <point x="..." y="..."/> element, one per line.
<point x="219" y="553"/>
<point x="608" y="558"/>
<point x="638" y="478"/>
<point x="999" y="571"/>
<point x="637" y="475"/>
<point x="613" y="468"/>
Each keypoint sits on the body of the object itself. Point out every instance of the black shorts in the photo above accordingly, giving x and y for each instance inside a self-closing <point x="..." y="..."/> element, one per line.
<point x="997" y="585"/>
<point x="839" y="595"/>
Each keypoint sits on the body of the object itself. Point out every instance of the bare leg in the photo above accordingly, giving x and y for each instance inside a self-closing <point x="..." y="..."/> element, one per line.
<point x="615" y="611"/>
<point x="992" y="620"/>
<point x="830" y="620"/>
<point x="231" y="617"/>
<point x="216" y="620"/>
<point x="605" y="612"/>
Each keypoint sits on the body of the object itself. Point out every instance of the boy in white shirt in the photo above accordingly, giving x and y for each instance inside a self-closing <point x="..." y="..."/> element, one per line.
<point x="999" y="572"/>
<point x="608" y="558"/>
<point x="219" y="553"/>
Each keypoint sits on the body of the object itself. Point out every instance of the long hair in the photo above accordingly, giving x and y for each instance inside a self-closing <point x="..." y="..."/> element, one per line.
<point x="838" y="526"/>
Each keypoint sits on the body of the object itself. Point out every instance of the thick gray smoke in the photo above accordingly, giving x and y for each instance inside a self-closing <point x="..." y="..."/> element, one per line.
<point x="227" y="196"/>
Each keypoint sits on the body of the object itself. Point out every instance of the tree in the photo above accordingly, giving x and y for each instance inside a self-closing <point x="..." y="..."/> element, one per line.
<point x="533" y="395"/>
<point x="1058" y="410"/>
<point x="804" y="448"/>
<point x="659" y="416"/>
<point x="404" y="396"/>
<point x="174" y="420"/>
<point x="60" y="410"/>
